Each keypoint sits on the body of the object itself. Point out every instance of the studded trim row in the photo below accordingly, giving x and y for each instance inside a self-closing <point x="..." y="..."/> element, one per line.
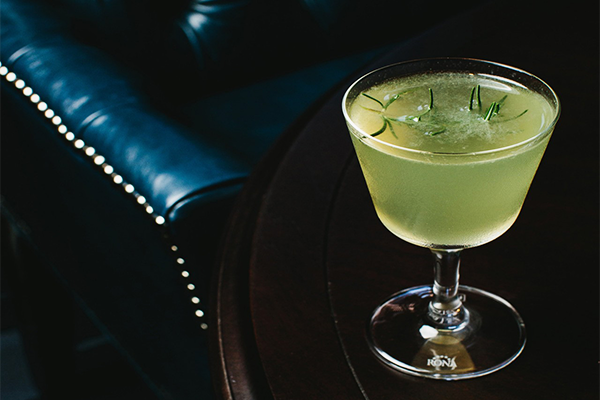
<point x="109" y="171"/>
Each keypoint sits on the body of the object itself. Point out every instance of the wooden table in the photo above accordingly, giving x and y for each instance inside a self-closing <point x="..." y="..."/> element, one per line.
<point x="305" y="259"/>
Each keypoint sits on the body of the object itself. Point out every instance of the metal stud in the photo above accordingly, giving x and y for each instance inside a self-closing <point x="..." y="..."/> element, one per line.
<point x="108" y="169"/>
<point x="99" y="160"/>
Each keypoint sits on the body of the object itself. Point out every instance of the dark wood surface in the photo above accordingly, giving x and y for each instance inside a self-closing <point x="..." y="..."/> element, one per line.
<point x="305" y="259"/>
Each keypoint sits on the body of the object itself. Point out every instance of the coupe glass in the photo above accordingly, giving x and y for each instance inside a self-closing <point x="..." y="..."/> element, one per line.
<point x="448" y="201"/>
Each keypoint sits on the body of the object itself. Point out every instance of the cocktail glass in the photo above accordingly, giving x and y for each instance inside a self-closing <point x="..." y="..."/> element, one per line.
<point x="448" y="201"/>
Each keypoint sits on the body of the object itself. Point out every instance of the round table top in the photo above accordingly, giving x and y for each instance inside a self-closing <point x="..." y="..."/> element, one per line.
<point x="305" y="260"/>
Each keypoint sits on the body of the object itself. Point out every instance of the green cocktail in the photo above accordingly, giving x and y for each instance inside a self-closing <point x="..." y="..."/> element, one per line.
<point x="448" y="148"/>
<point x="454" y="199"/>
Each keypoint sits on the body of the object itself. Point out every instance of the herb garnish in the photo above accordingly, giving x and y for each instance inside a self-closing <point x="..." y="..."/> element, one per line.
<point x="415" y="121"/>
<point x="429" y="125"/>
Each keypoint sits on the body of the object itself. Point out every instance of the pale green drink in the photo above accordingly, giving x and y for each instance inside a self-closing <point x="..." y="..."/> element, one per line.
<point x="448" y="157"/>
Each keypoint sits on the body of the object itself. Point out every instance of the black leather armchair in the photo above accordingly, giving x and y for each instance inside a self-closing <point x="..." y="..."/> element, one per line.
<point x="128" y="128"/>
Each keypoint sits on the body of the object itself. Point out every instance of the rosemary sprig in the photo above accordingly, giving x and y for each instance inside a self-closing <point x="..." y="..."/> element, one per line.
<point x="492" y="110"/>
<point x="411" y="120"/>
<point x="475" y="95"/>
<point x="374" y="99"/>
<point x="386" y="124"/>
<point x="391" y="100"/>
<point x="513" y="118"/>
<point x="429" y="126"/>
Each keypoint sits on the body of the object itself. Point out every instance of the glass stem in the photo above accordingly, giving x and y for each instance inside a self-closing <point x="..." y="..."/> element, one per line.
<point x="445" y="309"/>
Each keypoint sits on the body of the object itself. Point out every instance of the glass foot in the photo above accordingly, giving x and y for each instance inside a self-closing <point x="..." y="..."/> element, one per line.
<point x="403" y="336"/>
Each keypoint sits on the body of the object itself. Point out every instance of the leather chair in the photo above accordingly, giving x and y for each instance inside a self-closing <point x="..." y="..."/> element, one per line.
<point x="128" y="128"/>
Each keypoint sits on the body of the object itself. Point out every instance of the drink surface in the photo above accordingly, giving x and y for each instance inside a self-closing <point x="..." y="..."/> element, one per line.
<point x="451" y="199"/>
<point x="446" y="112"/>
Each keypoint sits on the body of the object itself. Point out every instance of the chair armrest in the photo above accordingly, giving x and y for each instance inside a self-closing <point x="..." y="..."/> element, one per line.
<point x="98" y="105"/>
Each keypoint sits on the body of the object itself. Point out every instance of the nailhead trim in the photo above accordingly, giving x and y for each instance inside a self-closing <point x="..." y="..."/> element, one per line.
<point x="109" y="171"/>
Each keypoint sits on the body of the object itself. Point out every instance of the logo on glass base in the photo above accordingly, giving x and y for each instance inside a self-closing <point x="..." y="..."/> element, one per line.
<point x="442" y="361"/>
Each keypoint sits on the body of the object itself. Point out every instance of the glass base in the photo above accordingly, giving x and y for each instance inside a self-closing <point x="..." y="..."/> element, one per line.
<point x="403" y="336"/>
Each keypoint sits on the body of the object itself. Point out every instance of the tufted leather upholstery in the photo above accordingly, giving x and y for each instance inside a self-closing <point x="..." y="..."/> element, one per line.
<point x="128" y="129"/>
